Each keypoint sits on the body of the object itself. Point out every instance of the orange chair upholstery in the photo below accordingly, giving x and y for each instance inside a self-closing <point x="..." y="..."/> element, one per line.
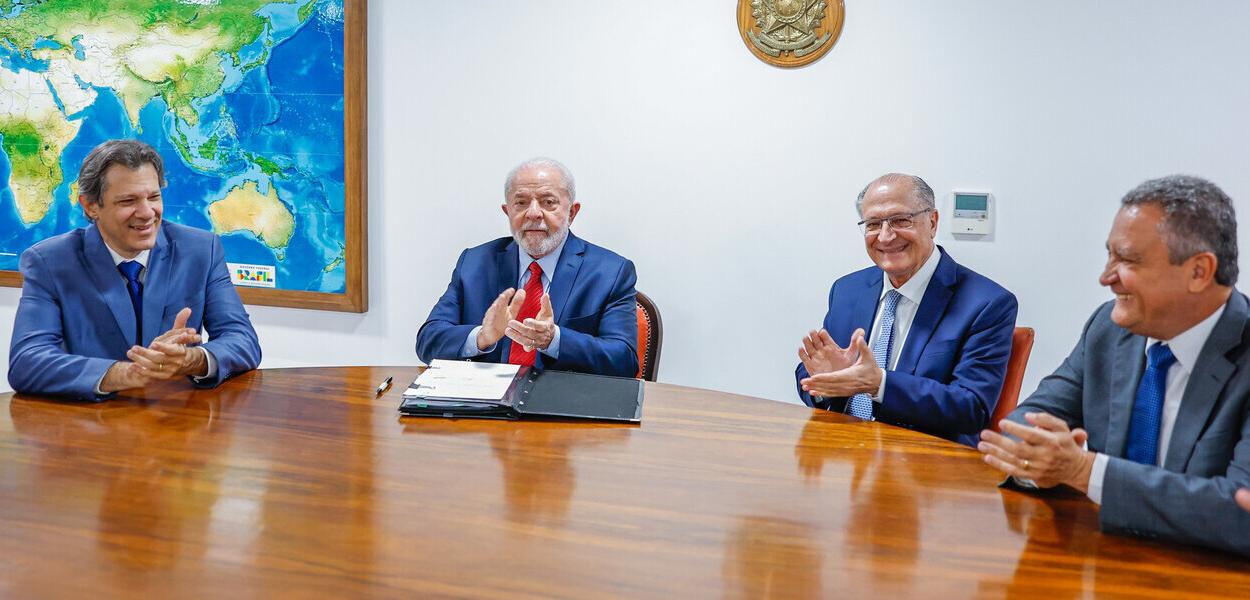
<point x="1021" y="347"/>
<point x="650" y="337"/>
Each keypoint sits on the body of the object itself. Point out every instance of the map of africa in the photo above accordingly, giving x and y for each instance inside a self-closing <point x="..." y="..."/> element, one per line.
<point x="243" y="99"/>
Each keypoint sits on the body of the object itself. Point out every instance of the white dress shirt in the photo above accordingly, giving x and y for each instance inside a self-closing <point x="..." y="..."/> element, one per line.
<point x="1185" y="347"/>
<point x="142" y="259"/>
<point x="548" y="264"/>
<point x="912" y="292"/>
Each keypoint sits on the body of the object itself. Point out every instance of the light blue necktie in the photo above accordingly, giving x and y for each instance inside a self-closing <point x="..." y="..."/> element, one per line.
<point x="860" y="405"/>
<point x="1143" y="429"/>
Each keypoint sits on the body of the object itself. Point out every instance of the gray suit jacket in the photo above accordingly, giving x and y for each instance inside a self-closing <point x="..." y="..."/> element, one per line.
<point x="1189" y="499"/>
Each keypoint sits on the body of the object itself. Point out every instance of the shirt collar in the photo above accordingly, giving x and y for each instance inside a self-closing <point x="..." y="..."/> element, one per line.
<point x="914" y="289"/>
<point x="548" y="263"/>
<point x="1187" y="345"/>
<point x="118" y="259"/>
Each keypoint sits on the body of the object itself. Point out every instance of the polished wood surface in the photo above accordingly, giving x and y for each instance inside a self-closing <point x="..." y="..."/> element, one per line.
<point x="298" y="482"/>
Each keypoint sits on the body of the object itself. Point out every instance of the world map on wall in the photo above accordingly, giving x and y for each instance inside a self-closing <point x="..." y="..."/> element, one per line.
<point x="243" y="99"/>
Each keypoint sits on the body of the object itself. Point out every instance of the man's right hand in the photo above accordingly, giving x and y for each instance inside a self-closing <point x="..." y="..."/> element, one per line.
<point x="168" y="357"/>
<point x="1243" y="499"/>
<point x="124" y="375"/>
<point x="820" y="354"/>
<point x="505" y="308"/>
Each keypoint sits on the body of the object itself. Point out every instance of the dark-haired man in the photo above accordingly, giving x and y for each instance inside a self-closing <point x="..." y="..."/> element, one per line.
<point x="120" y="303"/>
<point x="1150" y="413"/>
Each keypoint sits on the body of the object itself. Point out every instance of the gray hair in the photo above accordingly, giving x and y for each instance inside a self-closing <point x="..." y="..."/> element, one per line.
<point x="541" y="162"/>
<point x="921" y="193"/>
<point x="129" y="153"/>
<point x="1197" y="217"/>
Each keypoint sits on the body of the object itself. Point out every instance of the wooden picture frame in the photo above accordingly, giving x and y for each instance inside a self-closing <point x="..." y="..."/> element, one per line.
<point x="355" y="297"/>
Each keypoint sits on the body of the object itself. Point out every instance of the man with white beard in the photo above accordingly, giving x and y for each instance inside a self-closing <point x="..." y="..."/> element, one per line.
<point x="561" y="302"/>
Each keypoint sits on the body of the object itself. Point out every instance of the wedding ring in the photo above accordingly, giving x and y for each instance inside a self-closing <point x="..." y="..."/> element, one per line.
<point x="1025" y="465"/>
<point x="161" y="367"/>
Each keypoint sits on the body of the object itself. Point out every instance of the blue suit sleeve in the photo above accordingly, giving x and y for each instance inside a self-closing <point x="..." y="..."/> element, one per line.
<point x="834" y="404"/>
<point x="964" y="405"/>
<point x="444" y="332"/>
<point x="614" y="351"/>
<point x="232" y="339"/>
<point x="38" y="362"/>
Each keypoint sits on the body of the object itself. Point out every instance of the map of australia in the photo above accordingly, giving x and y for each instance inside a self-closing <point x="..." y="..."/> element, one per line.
<point x="243" y="98"/>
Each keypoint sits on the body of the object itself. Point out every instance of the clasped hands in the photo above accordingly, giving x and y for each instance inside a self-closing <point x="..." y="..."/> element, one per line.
<point x="165" y="358"/>
<point x="501" y="320"/>
<point x="1048" y="453"/>
<point x="839" y="372"/>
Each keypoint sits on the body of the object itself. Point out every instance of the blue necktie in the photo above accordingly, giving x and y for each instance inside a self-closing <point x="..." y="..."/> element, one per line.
<point x="1143" y="430"/>
<point x="860" y="405"/>
<point x="130" y="270"/>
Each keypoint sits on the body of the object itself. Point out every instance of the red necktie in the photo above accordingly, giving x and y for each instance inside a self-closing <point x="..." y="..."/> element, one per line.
<point x="533" y="299"/>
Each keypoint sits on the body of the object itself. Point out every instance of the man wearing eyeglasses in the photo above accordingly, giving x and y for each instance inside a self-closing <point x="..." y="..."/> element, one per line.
<point x="917" y="340"/>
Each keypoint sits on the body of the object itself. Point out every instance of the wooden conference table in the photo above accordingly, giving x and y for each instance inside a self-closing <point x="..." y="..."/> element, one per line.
<point x="299" y="482"/>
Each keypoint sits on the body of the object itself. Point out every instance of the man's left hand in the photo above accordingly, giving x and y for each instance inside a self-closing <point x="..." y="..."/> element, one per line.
<point x="168" y="356"/>
<point x="862" y="377"/>
<point x="1048" y="453"/>
<point x="536" y="332"/>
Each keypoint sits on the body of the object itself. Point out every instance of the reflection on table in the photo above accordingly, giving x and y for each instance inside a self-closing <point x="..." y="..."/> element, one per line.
<point x="300" y="482"/>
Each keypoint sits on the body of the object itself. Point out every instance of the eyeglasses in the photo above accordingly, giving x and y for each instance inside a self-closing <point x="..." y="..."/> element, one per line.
<point x="904" y="221"/>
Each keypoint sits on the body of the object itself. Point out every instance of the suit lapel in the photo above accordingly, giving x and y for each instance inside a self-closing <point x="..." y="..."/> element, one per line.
<point x="1128" y="361"/>
<point x="156" y="286"/>
<point x="506" y="267"/>
<point x="932" y="306"/>
<point x="506" y="277"/>
<point x="109" y="284"/>
<point x="864" y="308"/>
<point x="566" y="274"/>
<point x="1205" y="383"/>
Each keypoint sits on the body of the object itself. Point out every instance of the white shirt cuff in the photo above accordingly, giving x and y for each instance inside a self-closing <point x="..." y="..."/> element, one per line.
<point x="98" y="392"/>
<point x="1025" y="482"/>
<point x="880" y="389"/>
<point x="211" y="373"/>
<point x="470" y="345"/>
<point x="1096" y="475"/>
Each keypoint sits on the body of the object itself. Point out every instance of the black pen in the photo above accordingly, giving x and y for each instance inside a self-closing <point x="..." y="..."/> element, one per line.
<point x="382" y="387"/>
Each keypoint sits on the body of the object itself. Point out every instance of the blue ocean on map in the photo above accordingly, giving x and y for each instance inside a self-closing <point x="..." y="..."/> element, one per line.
<point x="277" y="125"/>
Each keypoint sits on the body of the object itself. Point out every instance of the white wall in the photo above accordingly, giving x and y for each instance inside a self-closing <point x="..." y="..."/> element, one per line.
<point x="730" y="183"/>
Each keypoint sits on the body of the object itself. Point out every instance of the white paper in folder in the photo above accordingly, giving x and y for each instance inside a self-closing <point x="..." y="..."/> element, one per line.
<point x="463" y="379"/>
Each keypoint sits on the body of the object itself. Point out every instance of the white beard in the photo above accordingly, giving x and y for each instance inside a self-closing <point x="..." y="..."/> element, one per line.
<point x="545" y="246"/>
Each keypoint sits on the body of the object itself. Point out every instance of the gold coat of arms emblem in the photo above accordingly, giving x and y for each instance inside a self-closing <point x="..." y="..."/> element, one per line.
<point x="790" y="33"/>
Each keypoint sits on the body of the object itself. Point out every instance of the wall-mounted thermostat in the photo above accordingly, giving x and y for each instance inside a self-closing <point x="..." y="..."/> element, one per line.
<point x="971" y="214"/>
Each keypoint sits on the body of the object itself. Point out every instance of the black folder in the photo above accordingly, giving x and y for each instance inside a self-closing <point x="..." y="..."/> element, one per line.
<point x="538" y="394"/>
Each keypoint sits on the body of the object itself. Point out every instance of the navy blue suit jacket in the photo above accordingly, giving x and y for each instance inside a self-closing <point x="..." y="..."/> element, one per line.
<point x="592" y="297"/>
<point x="951" y="367"/>
<point x="75" y="318"/>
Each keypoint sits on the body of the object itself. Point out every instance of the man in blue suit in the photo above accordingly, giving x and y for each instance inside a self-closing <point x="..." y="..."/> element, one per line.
<point x="119" y="304"/>
<point x="561" y="302"/>
<point x="941" y="334"/>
